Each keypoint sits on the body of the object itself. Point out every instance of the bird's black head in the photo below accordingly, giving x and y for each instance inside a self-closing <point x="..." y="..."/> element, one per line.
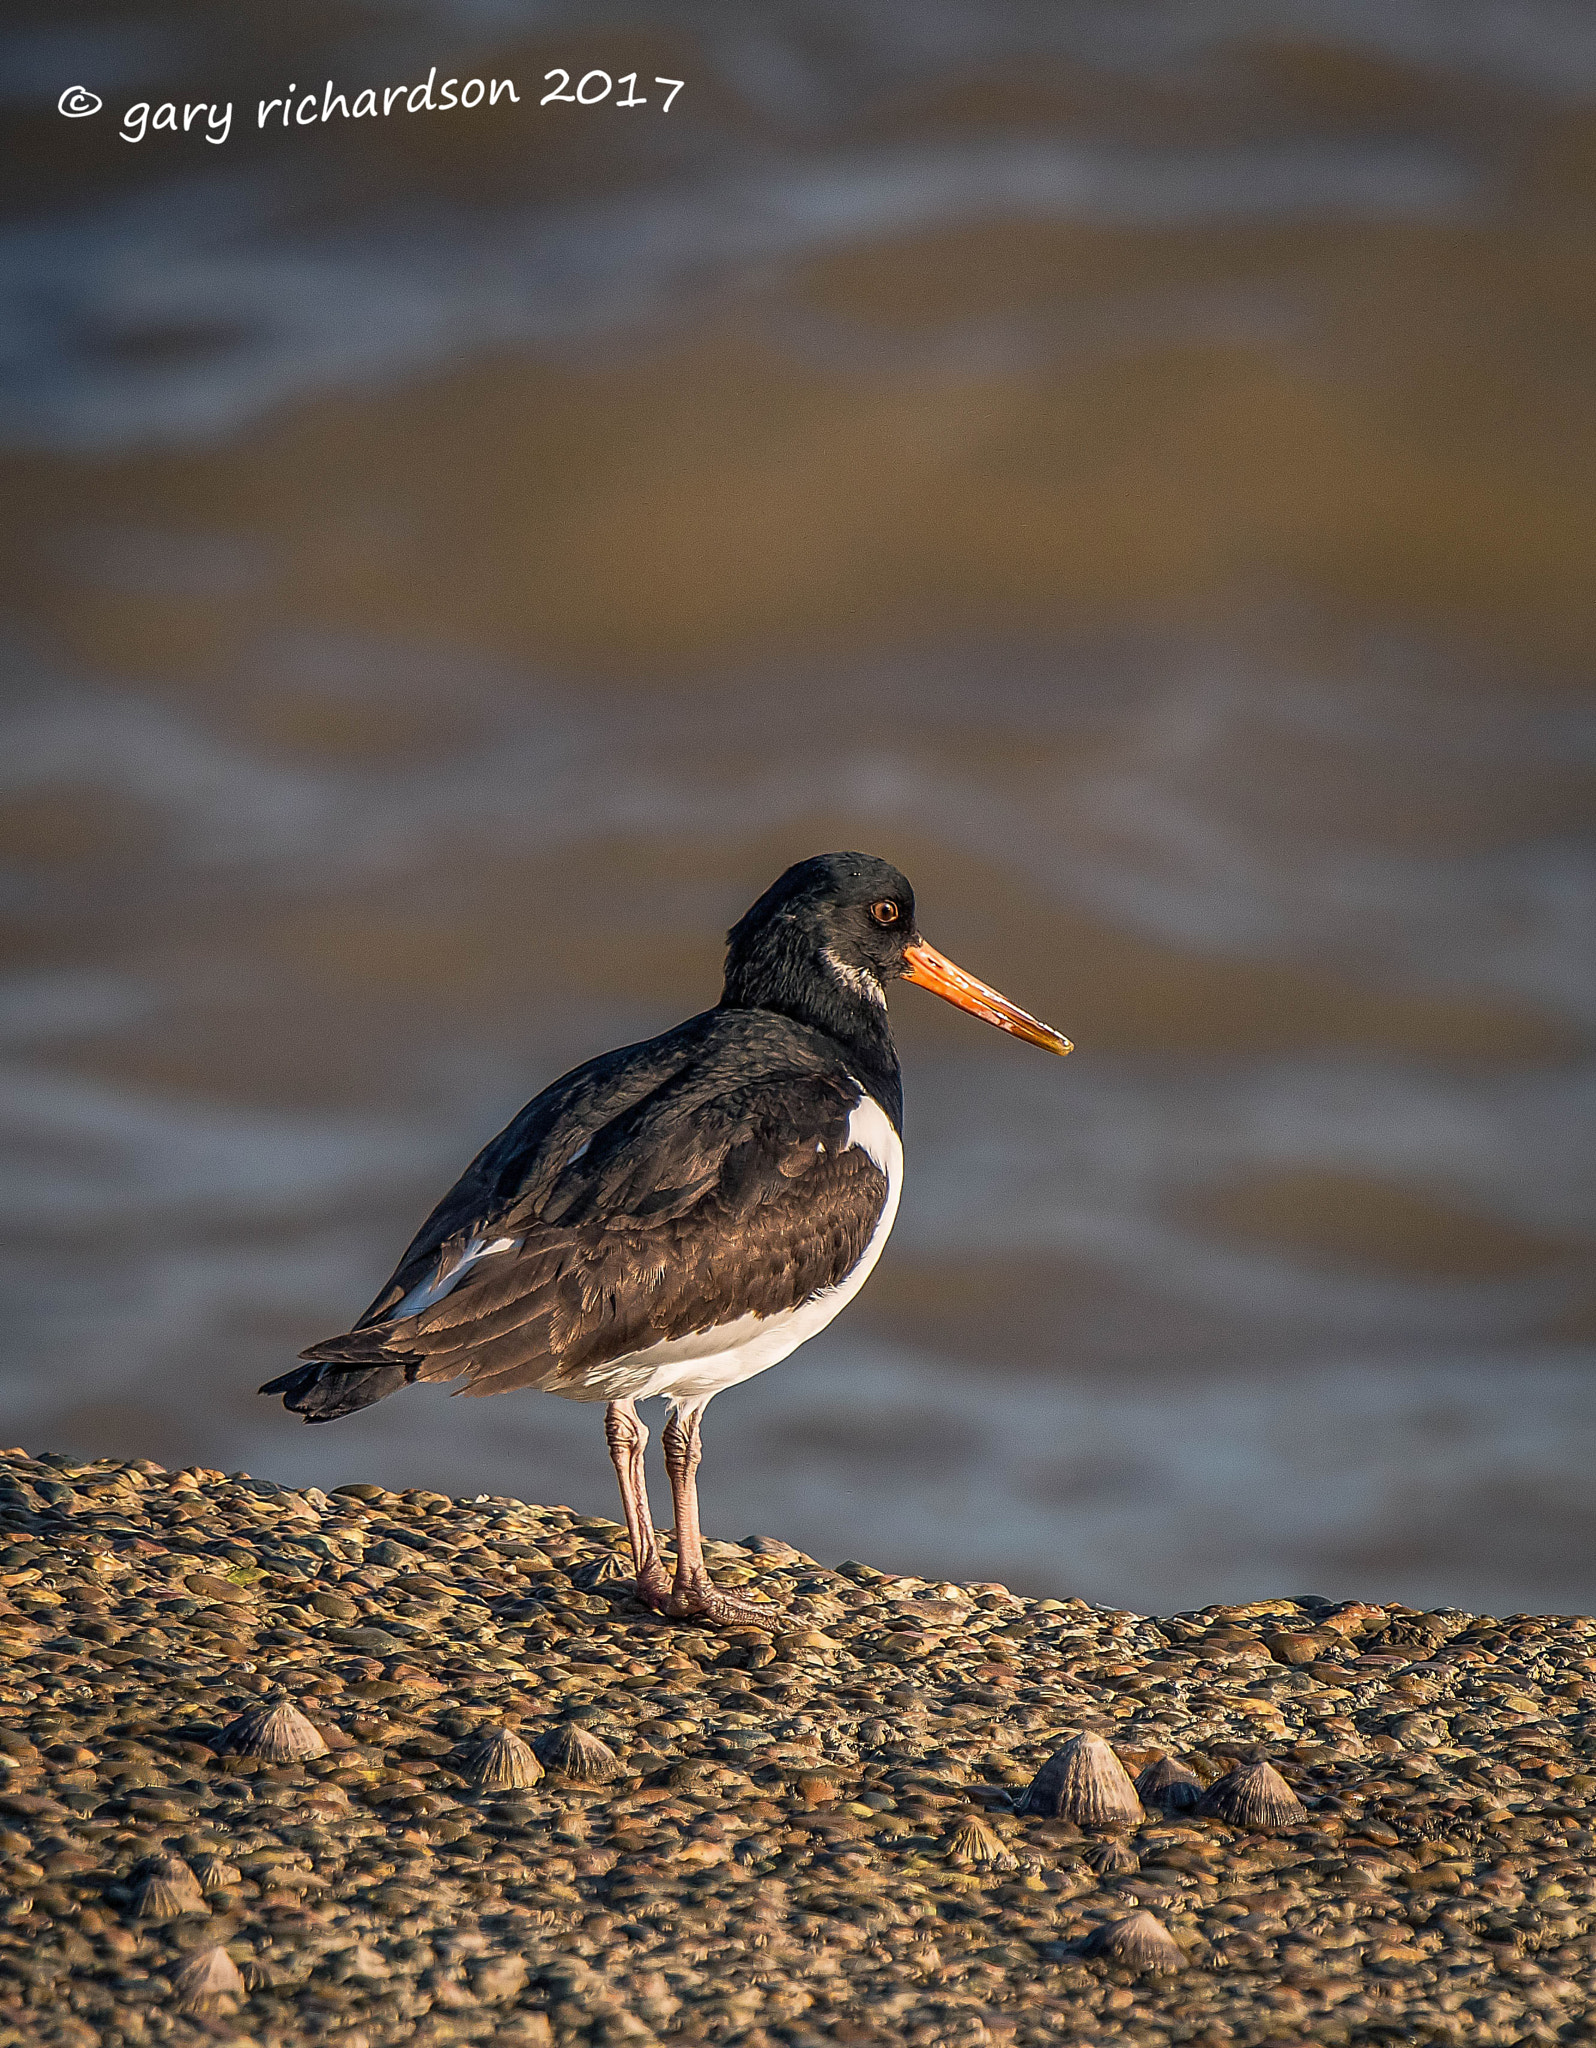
<point x="822" y="942"/>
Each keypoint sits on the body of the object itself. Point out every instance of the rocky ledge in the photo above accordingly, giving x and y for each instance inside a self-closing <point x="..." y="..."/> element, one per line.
<point x="378" y="1768"/>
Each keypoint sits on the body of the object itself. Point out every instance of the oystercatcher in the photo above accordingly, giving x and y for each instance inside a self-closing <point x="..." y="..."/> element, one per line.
<point x="674" y="1217"/>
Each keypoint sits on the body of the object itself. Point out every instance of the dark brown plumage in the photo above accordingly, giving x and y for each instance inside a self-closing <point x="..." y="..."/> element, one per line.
<point x="708" y="1198"/>
<point x="767" y="1208"/>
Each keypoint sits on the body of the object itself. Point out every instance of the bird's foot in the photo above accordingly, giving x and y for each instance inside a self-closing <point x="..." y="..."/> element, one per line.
<point x="654" y="1586"/>
<point x="700" y="1599"/>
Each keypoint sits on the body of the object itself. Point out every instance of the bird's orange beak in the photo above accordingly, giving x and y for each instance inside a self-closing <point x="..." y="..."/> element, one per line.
<point x="927" y="968"/>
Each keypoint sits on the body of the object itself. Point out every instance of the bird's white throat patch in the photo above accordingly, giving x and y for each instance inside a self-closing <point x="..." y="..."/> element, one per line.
<point x="859" y="979"/>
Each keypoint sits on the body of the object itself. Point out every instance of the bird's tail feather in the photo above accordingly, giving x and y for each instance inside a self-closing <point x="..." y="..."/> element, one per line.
<point x="342" y="1375"/>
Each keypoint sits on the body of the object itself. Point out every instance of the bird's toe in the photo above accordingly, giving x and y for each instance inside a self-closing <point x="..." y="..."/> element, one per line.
<point x="703" y="1601"/>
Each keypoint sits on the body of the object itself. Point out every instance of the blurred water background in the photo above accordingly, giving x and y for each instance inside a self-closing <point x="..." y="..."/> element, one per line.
<point x="1133" y="465"/>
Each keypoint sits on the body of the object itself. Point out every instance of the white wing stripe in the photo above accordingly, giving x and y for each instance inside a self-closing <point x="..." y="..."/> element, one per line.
<point x="427" y="1292"/>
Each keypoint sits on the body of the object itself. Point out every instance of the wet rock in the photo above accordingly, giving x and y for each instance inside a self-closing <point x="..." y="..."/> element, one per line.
<point x="1295" y="1648"/>
<point x="496" y="1980"/>
<point x="525" y="2030"/>
<point x="1353" y="1618"/>
<point x="364" y="1964"/>
<point x="783" y="1836"/>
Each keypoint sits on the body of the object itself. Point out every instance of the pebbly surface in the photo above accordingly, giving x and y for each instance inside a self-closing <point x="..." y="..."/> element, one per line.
<point x="801" y="1838"/>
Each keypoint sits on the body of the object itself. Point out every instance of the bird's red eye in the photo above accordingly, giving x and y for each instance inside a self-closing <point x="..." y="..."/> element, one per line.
<point x="884" y="912"/>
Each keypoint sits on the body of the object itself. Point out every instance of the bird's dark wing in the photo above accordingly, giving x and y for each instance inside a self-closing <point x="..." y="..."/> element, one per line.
<point x="713" y="1195"/>
<point x="518" y="1167"/>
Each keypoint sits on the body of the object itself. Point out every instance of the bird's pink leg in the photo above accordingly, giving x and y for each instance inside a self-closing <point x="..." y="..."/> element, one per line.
<point x="695" y="1595"/>
<point x="627" y="1436"/>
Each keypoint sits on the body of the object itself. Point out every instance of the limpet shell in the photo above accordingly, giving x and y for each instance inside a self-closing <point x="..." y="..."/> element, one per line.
<point x="278" y="1734"/>
<point x="503" y="1763"/>
<point x="972" y="1841"/>
<point x="577" y="1755"/>
<point x="206" y="1979"/>
<point x="607" y="1570"/>
<point x="1169" y="1787"/>
<point x="1252" y="1796"/>
<point x="1141" y="1941"/>
<point x="168" y="1889"/>
<point x="216" y="1874"/>
<point x="1084" y="1782"/>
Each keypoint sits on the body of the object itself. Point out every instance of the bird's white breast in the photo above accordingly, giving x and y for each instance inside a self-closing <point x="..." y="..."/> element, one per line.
<point x="692" y="1369"/>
